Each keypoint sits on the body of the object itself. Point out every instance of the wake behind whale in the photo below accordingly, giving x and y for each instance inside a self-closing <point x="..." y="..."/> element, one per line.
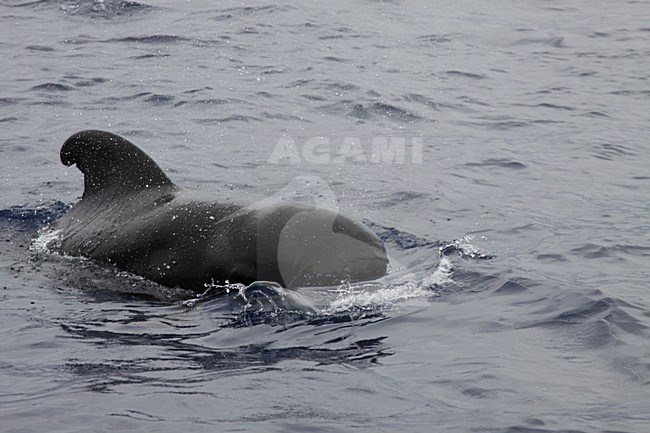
<point x="133" y="216"/>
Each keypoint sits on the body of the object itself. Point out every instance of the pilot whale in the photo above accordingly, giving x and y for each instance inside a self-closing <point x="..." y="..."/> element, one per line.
<point x="134" y="217"/>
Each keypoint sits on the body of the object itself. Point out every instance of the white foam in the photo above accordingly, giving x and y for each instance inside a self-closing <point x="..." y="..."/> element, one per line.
<point x="45" y="237"/>
<point x="442" y="275"/>
<point x="466" y="248"/>
<point x="370" y="297"/>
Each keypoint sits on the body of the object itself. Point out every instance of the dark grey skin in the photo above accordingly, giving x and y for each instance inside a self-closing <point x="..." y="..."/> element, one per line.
<point x="133" y="216"/>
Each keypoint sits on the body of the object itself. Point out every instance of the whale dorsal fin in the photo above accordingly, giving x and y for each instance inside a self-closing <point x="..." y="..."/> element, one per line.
<point x="109" y="161"/>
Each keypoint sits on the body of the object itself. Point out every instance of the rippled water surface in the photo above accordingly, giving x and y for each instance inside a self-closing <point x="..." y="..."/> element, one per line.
<point x="500" y="149"/>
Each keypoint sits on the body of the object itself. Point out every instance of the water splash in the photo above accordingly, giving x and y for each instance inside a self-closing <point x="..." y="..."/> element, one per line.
<point x="464" y="248"/>
<point x="258" y="297"/>
<point x="377" y="297"/>
<point x="46" y="236"/>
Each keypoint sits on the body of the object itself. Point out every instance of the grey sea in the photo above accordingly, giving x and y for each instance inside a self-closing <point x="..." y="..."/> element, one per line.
<point x="500" y="149"/>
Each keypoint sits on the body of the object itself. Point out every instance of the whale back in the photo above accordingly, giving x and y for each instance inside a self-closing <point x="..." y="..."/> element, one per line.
<point x="109" y="161"/>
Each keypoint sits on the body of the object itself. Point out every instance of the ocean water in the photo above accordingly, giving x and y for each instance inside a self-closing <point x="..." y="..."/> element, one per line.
<point x="500" y="149"/>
